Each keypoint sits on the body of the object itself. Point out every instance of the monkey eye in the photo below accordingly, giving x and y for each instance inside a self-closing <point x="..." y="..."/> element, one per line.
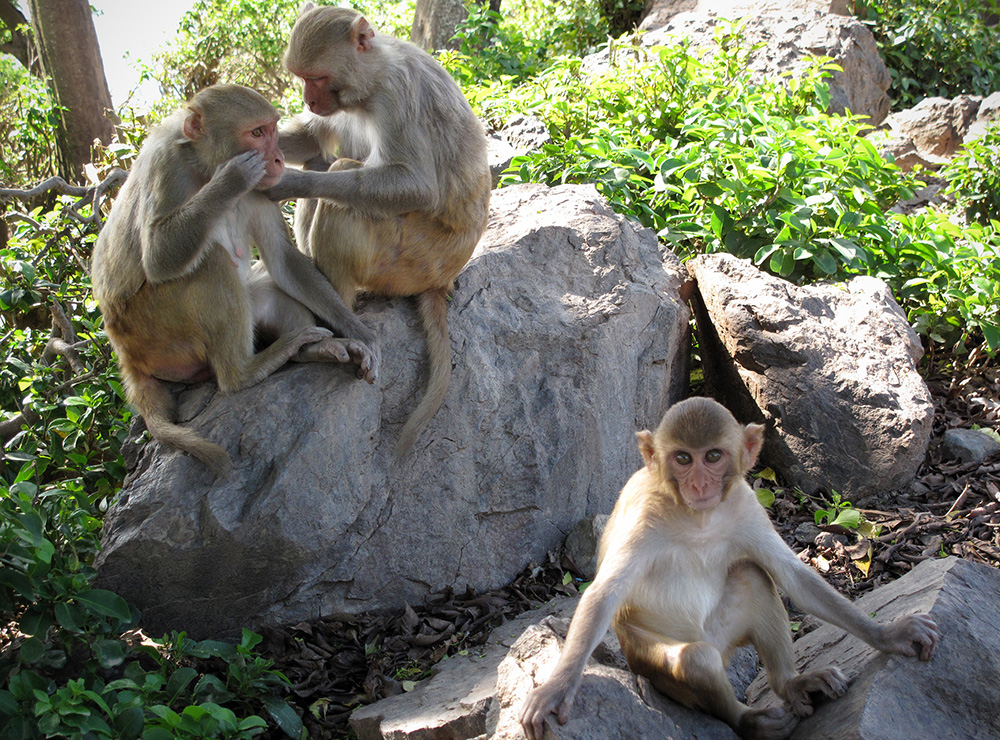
<point x="713" y="456"/>
<point x="257" y="132"/>
<point x="684" y="458"/>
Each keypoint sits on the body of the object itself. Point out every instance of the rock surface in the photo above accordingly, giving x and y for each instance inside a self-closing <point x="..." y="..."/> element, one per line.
<point x="896" y="698"/>
<point x="568" y="335"/>
<point x="783" y="37"/>
<point x="831" y="368"/>
<point x="969" y="445"/>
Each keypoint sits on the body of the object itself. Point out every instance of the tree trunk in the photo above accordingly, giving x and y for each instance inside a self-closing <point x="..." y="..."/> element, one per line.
<point x="19" y="45"/>
<point x="435" y="21"/>
<point x="71" y="58"/>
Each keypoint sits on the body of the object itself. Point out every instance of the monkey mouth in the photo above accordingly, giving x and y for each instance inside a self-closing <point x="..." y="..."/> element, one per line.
<point x="703" y="504"/>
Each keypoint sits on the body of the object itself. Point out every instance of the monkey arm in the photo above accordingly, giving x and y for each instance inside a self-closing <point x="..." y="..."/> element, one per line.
<point x="298" y="143"/>
<point x="593" y="616"/>
<point x="175" y="228"/>
<point x="385" y="190"/>
<point x="912" y="635"/>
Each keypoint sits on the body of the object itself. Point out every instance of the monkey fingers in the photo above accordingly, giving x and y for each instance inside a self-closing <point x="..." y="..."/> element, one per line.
<point x="366" y="358"/>
<point x="831" y="682"/>
<point x="551" y="697"/>
<point x="912" y="635"/>
<point x="328" y="349"/>
<point x="772" y="723"/>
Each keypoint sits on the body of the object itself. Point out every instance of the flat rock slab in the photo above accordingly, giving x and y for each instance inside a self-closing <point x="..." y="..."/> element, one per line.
<point x="955" y="696"/>
<point x="568" y="335"/>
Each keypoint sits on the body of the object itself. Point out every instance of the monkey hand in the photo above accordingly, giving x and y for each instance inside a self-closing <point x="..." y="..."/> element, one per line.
<point x="553" y="697"/>
<point x="914" y="635"/>
<point x="241" y="173"/>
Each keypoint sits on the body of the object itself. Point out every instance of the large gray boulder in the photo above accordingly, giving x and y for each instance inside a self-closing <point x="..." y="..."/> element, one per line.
<point x="831" y="368"/>
<point x="895" y="698"/>
<point x="784" y="37"/>
<point x="568" y="335"/>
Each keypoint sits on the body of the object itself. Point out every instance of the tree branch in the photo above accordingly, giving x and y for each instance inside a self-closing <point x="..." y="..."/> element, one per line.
<point x="85" y="195"/>
<point x="20" y="46"/>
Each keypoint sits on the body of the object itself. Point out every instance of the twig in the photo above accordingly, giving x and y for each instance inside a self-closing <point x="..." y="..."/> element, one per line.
<point x="85" y="195"/>
<point x="959" y="501"/>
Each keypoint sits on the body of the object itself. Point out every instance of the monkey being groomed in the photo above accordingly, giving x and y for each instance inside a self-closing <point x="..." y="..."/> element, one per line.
<point x="171" y="269"/>
<point x="689" y="569"/>
<point x="402" y="210"/>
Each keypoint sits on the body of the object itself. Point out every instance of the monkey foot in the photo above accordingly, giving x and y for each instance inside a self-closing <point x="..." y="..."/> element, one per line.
<point x="829" y="682"/>
<point x="772" y="723"/>
<point x="342" y="351"/>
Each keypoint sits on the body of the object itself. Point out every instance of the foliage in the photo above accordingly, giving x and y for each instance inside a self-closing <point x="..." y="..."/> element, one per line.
<point x="716" y="162"/>
<point x="223" y="41"/>
<point x="243" y="42"/>
<point x="974" y="176"/>
<point x="935" y="47"/>
<point x="563" y="27"/>
<point x="69" y="665"/>
<point x="841" y="512"/>
<point x="27" y="126"/>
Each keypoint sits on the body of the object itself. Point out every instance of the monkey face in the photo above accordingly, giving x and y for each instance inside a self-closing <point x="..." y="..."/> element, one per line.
<point x="262" y="137"/>
<point x="700" y="475"/>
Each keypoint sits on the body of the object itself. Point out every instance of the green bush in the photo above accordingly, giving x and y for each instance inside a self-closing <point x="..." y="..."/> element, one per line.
<point x="27" y="126"/>
<point x="935" y="47"/>
<point x="974" y="176"/>
<point x="716" y="162"/>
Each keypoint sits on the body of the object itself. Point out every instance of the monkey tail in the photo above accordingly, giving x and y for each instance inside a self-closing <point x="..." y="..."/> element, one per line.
<point x="153" y="401"/>
<point x="433" y="305"/>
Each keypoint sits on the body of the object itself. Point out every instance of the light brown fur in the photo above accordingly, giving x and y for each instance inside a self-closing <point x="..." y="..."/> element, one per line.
<point x="402" y="210"/>
<point x="171" y="266"/>
<point x="689" y="569"/>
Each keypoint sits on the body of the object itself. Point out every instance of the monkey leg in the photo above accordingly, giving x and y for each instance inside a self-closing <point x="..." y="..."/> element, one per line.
<point x="768" y="630"/>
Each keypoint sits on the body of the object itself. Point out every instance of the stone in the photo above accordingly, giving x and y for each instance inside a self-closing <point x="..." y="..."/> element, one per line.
<point x="936" y="127"/>
<point x="582" y="542"/>
<point x="899" y="698"/>
<point x="612" y="702"/>
<point x="831" y="369"/>
<point x="969" y="445"/>
<point x="568" y="336"/>
<point x="783" y="37"/>
<point x="453" y="703"/>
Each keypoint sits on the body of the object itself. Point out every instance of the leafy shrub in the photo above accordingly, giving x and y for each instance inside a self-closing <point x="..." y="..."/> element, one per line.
<point x="27" y="126"/>
<point x="935" y="48"/>
<point x="974" y="176"/>
<point x="714" y="162"/>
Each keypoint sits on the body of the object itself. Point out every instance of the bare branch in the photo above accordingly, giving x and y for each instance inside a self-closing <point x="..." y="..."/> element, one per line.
<point x="10" y="428"/>
<point x="85" y="195"/>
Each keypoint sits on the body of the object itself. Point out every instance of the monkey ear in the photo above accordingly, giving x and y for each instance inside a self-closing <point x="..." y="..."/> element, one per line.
<point x="753" y="440"/>
<point x="362" y="34"/>
<point x="306" y="7"/>
<point x="646" y="448"/>
<point x="194" y="124"/>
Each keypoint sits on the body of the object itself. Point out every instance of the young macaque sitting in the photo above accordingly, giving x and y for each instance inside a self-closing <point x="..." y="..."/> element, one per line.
<point x="689" y="569"/>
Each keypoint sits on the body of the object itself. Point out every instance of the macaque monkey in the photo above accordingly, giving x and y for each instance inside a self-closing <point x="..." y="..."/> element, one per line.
<point x="172" y="265"/>
<point x="400" y="214"/>
<point x="689" y="566"/>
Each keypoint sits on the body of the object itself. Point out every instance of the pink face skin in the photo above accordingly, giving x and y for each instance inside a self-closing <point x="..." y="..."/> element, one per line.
<point x="263" y="138"/>
<point x="700" y="475"/>
<point x="317" y="93"/>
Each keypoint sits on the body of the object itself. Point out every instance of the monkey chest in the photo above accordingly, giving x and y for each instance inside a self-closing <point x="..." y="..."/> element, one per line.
<point x="231" y="235"/>
<point x="681" y="592"/>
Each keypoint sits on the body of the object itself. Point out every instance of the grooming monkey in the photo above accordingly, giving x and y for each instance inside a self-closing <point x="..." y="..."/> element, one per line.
<point x="400" y="214"/>
<point x="688" y="568"/>
<point x="171" y="268"/>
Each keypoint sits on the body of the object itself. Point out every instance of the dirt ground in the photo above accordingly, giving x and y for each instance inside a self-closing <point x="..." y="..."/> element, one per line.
<point x="336" y="665"/>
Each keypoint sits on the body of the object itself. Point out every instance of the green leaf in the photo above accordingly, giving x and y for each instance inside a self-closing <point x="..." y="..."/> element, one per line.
<point x="765" y="496"/>
<point x="105" y="603"/>
<point x="109" y="653"/>
<point x="32" y="649"/>
<point x="284" y="716"/>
